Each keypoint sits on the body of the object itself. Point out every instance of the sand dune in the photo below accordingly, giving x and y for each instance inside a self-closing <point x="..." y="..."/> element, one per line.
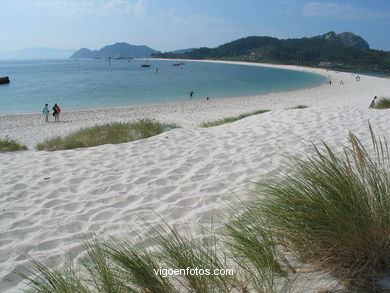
<point x="49" y="201"/>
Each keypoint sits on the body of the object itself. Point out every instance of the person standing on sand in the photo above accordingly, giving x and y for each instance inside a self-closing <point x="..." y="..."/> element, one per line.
<point x="45" y="112"/>
<point x="56" y="113"/>
<point x="372" y="105"/>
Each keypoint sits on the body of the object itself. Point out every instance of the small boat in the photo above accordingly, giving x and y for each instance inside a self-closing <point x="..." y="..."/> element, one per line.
<point x="176" y="64"/>
<point x="4" y="80"/>
<point x="146" y="64"/>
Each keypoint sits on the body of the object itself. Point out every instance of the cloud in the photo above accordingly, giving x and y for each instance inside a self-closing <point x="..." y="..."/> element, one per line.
<point x="341" y="11"/>
<point x="192" y="19"/>
<point x="288" y="2"/>
<point x="140" y="7"/>
<point x="70" y="7"/>
<point x="116" y="6"/>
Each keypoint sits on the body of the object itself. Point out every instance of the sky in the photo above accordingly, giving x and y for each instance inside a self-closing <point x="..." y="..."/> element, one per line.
<point x="167" y="25"/>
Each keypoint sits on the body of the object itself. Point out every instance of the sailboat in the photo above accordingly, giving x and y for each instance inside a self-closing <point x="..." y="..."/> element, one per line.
<point x="146" y="64"/>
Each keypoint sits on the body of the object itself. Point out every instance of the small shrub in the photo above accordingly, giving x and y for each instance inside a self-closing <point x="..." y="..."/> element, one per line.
<point x="383" y="103"/>
<point x="231" y="119"/>
<point x="298" y="107"/>
<point x="10" y="145"/>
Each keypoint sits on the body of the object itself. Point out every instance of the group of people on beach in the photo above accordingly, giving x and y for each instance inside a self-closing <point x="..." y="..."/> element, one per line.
<point x="56" y="112"/>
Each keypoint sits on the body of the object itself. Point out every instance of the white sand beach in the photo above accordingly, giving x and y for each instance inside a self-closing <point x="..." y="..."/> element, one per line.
<point x="51" y="201"/>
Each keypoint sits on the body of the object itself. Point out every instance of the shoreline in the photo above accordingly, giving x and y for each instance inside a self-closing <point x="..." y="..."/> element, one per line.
<point x="30" y="129"/>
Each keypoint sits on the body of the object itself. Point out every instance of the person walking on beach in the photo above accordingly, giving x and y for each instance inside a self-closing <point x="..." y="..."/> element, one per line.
<point x="45" y="112"/>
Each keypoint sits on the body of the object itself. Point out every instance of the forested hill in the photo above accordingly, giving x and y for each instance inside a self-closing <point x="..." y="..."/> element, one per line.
<point x="345" y="50"/>
<point x="118" y="50"/>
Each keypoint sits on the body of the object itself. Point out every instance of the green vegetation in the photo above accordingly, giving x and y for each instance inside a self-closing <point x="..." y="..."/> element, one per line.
<point x="304" y="51"/>
<point x="178" y="251"/>
<point x="254" y="248"/>
<point x="50" y="277"/>
<point x="113" y="133"/>
<point x="332" y="210"/>
<point x="10" y="145"/>
<point x="128" y="266"/>
<point x="383" y="103"/>
<point x="231" y="119"/>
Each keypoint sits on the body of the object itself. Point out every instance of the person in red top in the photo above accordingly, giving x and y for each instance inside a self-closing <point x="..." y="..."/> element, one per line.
<point x="56" y="113"/>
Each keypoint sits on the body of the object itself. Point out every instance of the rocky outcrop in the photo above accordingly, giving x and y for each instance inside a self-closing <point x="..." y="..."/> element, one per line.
<point x="347" y="38"/>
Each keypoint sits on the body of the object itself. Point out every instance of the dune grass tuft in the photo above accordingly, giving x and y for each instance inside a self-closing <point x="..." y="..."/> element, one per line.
<point x="335" y="208"/>
<point x="10" y="145"/>
<point x="112" y="133"/>
<point x="138" y="265"/>
<point x="257" y="252"/>
<point x="203" y="253"/>
<point x="100" y="273"/>
<point x="298" y="107"/>
<point x="231" y="119"/>
<point x="49" y="277"/>
<point x="382" y="103"/>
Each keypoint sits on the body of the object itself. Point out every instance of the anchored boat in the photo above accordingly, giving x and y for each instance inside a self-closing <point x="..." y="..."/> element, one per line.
<point x="4" y="80"/>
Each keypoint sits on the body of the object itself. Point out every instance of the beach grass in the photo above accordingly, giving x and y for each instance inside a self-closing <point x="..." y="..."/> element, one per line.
<point x="334" y="209"/>
<point x="100" y="274"/>
<point x="119" y="267"/>
<point x="50" y="277"/>
<point x="231" y="119"/>
<point x="125" y="266"/>
<point x="10" y="145"/>
<point x="137" y="265"/>
<point x="112" y="133"/>
<point x="181" y="251"/>
<point x="298" y="107"/>
<point x="256" y="250"/>
<point x="382" y="103"/>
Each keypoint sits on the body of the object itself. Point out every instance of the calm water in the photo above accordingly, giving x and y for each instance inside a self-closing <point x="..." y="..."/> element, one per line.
<point x="94" y="84"/>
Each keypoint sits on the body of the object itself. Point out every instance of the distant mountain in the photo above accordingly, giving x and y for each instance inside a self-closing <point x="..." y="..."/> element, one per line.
<point x="344" y="51"/>
<point x="118" y="50"/>
<point x="36" y="53"/>
<point x="85" y="53"/>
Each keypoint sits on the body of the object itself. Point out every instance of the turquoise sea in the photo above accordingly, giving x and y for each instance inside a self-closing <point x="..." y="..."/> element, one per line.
<point x="84" y="84"/>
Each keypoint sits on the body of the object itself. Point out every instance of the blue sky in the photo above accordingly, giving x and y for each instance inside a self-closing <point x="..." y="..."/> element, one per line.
<point x="175" y="24"/>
